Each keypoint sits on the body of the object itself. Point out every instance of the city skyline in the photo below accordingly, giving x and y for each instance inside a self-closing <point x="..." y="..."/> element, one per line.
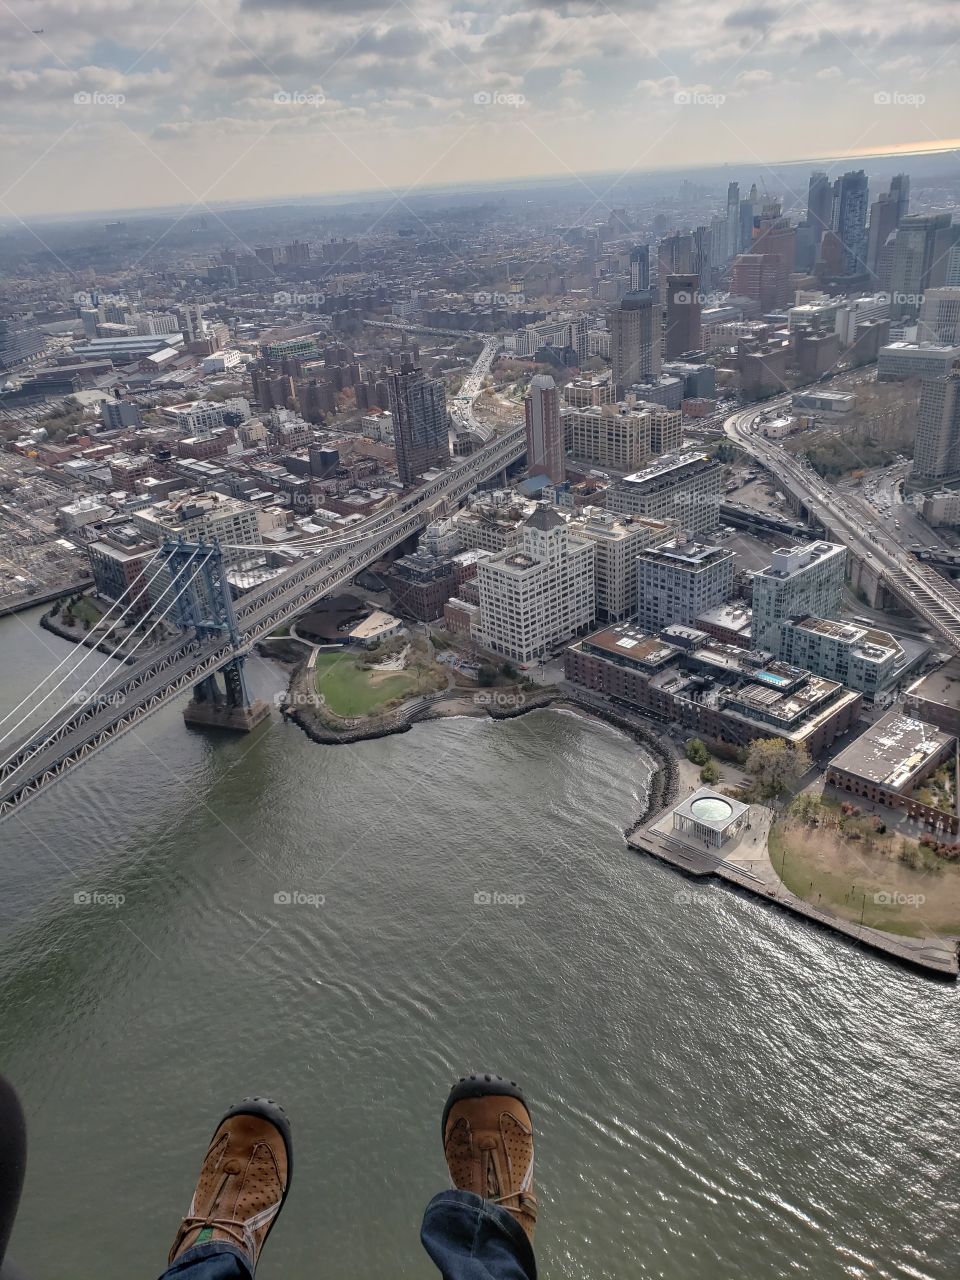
<point x="287" y="98"/>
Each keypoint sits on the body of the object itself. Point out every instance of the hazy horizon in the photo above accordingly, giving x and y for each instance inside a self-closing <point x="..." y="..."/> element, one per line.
<point x="110" y="106"/>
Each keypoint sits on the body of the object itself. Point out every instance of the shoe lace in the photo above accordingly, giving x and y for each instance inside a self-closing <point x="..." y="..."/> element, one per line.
<point x="235" y="1230"/>
<point x="525" y="1203"/>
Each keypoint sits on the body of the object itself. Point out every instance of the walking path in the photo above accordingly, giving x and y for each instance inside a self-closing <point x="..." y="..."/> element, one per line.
<point x="744" y="863"/>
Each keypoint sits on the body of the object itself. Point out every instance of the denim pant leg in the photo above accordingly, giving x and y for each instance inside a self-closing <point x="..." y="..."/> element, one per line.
<point x="472" y="1239"/>
<point x="211" y="1261"/>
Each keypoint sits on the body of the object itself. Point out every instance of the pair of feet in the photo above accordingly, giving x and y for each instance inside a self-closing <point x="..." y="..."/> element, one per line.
<point x="245" y="1176"/>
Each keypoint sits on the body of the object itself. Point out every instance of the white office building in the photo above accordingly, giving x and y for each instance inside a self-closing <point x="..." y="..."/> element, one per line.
<point x="202" y="518"/>
<point x="901" y="360"/>
<point x="537" y="595"/>
<point x="940" y="317"/>
<point x="201" y="417"/>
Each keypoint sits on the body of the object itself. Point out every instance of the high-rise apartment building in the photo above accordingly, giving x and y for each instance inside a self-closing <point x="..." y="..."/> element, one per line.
<point x="805" y="579"/>
<point x="776" y="238"/>
<point x="540" y="593"/>
<point x="297" y="254"/>
<point x="19" y="342"/>
<point x="936" y="454"/>
<point x="679" y="580"/>
<point x="618" y="541"/>
<point x="419" y="408"/>
<point x="683" y="487"/>
<point x="758" y="276"/>
<point x="541" y="409"/>
<point x="635" y="339"/>
<point x="684" y="307"/>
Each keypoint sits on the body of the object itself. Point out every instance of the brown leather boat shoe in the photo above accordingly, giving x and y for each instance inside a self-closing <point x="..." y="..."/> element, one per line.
<point x="243" y="1182"/>
<point x="488" y="1142"/>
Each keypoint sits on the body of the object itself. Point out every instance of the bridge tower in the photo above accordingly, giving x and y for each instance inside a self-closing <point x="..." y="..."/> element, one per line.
<point x="206" y="608"/>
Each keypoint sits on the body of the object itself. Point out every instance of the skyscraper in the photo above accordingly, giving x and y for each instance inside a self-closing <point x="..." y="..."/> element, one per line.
<point x="883" y="221"/>
<point x="732" y="247"/>
<point x="850" y="220"/>
<point x="920" y="260"/>
<point x="702" y="260"/>
<point x="746" y="225"/>
<point x="683" y="316"/>
<point x="419" y="408"/>
<point x="775" y="237"/>
<point x="819" y="204"/>
<point x="937" y="450"/>
<point x="639" y="267"/>
<point x="544" y="429"/>
<point x="635" y="339"/>
<point x="674" y="258"/>
<point x="886" y="213"/>
<point x="900" y="189"/>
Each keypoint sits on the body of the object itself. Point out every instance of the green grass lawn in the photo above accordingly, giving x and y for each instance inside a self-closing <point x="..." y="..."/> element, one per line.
<point x="352" y="690"/>
<point x="89" y="609"/>
<point x="826" y="870"/>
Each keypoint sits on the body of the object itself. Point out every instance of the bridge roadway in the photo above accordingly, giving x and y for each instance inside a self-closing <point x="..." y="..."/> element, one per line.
<point x="849" y="519"/>
<point x="138" y="689"/>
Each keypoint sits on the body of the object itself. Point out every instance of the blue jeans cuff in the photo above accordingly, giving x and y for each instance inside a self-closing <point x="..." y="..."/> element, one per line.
<point x="199" y="1261"/>
<point x="496" y="1239"/>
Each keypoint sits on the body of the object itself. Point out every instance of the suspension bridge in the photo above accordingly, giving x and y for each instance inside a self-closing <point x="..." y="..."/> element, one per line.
<point x="187" y="588"/>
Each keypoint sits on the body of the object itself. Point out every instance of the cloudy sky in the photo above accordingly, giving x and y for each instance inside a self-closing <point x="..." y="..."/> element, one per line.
<point x="111" y="104"/>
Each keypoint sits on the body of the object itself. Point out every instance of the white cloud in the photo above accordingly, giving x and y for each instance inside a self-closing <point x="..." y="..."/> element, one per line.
<point x="571" y="77"/>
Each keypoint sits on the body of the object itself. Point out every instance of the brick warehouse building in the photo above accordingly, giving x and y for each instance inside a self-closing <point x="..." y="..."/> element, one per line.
<point x="717" y="691"/>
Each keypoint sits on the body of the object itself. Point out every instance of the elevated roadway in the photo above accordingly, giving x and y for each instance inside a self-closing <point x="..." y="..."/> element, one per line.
<point x="849" y="520"/>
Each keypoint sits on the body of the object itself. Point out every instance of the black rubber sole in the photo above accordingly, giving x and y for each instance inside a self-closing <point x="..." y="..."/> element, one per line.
<point x="481" y="1086"/>
<point x="272" y="1111"/>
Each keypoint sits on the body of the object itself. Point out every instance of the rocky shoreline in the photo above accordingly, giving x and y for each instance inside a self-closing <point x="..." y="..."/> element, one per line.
<point x="89" y="639"/>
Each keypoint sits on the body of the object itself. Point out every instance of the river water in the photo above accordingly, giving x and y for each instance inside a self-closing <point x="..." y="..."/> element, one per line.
<point x="719" y="1090"/>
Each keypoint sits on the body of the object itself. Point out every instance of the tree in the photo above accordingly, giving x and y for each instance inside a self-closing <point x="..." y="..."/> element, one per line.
<point x="710" y="773"/>
<point x="697" y="752"/>
<point x="776" y="765"/>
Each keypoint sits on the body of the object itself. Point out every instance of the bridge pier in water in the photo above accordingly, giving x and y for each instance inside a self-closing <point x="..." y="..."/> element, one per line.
<point x="229" y="708"/>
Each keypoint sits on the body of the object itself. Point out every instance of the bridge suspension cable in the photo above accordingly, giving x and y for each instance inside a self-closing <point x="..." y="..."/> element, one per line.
<point x="91" y="696"/>
<point x="83" y="653"/>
